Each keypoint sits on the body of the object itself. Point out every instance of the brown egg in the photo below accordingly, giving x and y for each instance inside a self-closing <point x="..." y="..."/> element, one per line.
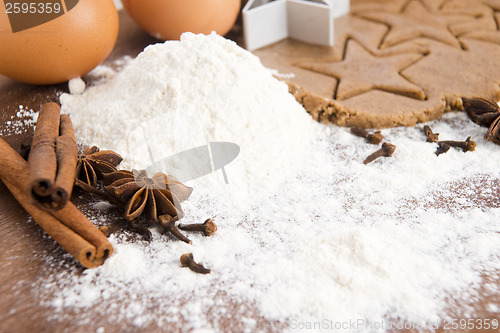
<point x="46" y="48"/>
<point x="168" y="19"/>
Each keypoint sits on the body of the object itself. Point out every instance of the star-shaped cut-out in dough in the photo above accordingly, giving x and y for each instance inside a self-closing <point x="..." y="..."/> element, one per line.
<point x="356" y="72"/>
<point x="433" y="4"/>
<point x="391" y="6"/>
<point x="470" y="4"/>
<point x="484" y="18"/>
<point x="492" y="36"/>
<point x="494" y="4"/>
<point x="484" y="27"/>
<point x="416" y="21"/>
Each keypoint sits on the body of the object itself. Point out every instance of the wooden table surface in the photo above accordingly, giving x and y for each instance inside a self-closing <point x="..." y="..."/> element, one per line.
<point x="24" y="246"/>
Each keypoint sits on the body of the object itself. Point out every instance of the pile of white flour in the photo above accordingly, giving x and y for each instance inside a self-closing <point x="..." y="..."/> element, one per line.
<point x="307" y="233"/>
<point x="181" y="95"/>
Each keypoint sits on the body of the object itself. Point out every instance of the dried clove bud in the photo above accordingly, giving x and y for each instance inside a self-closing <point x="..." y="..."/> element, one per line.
<point x="493" y="134"/>
<point x="481" y="111"/>
<point x="431" y="137"/>
<point x="442" y="148"/>
<point x="134" y="226"/>
<point x="168" y="225"/>
<point x="140" y="229"/>
<point x="467" y="145"/>
<point x="187" y="260"/>
<point x="386" y="150"/>
<point x="208" y="227"/>
<point x="373" y="138"/>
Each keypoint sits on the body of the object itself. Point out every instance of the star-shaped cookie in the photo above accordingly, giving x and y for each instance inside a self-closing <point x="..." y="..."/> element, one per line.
<point x="356" y="76"/>
<point x="416" y="21"/>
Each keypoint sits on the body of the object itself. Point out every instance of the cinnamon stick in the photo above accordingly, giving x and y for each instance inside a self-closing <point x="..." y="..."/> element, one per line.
<point x="73" y="218"/>
<point x="68" y="226"/>
<point x="42" y="159"/>
<point x="67" y="158"/>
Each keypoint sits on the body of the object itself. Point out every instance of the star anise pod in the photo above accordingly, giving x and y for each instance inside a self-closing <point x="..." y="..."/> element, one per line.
<point x="93" y="163"/>
<point x="481" y="111"/>
<point x="493" y="133"/>
<point x="152" y="197"/>
<point x="485" y="113"/>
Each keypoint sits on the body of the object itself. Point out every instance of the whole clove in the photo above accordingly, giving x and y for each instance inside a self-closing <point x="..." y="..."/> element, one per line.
<point x="373" y="138"/>
<point x="208" y="227"/>
<point x="387" y="150"/>
<point x="431" y="137"/>
<point x="134" y="226"/>
<point x="168" y="225"/>
<point x="187" y="260"/>
<point x="467" y="145"/>
<point x="137" y="227"/>
<point x="442" y="148"/>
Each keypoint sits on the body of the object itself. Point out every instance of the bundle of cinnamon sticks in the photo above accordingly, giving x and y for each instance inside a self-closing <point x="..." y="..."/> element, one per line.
<point x="43" y="186"/>
<point x="53" y="158"/>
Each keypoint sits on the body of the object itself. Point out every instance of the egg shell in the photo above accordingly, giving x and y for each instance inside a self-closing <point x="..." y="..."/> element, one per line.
<point x="64" y="48"/>
<point x="168" y="19"/>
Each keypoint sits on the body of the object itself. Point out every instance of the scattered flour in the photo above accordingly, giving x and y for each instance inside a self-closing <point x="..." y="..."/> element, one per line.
<point x="19" y="122"/>
<point x="321" y="235"/>
<point x="104" y="72"/>
<point x="493" y="308"/>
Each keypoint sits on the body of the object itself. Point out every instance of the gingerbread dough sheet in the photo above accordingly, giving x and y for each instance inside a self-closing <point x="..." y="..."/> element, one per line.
<point x="395" y="62"/>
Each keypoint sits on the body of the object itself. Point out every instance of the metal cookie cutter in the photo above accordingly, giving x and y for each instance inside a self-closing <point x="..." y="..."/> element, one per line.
<point x="268" y="21"/>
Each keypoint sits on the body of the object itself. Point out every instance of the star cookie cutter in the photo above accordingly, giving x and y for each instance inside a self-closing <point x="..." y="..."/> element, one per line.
<point x="268" y="21"/>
